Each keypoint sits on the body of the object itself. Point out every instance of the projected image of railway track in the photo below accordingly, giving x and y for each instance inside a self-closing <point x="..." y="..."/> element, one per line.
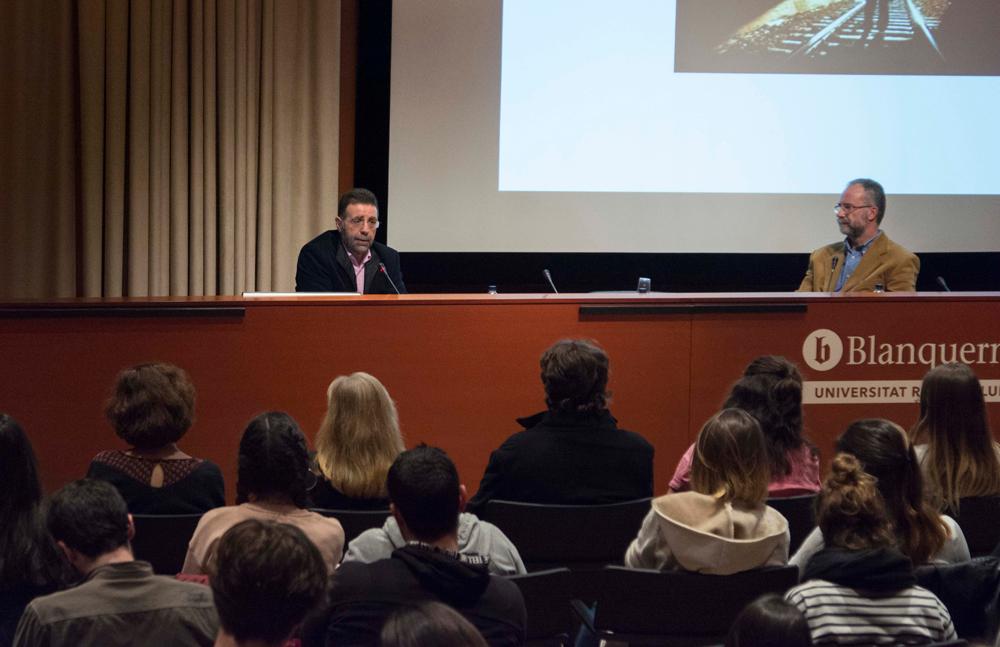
<point x="824" y="30"/>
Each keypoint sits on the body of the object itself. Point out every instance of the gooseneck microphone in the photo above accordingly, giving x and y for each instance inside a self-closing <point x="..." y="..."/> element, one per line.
<point x="548" y="277"/>
<point x="385" y="273"/>
<point x="944" y="286"/>
<point x="833" y="273"/>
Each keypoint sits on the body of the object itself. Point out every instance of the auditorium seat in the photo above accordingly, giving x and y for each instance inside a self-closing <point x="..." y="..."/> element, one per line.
<point x="162" y="540"/>
<point x="547" y="595"/>
<point x="801" y="514"/>
<point x="355" y="522"/>
<point x="573" y="536"/>
<point x="971" y="591"/>
<point x="642" y="606"/>
<point x="979" y="519"/>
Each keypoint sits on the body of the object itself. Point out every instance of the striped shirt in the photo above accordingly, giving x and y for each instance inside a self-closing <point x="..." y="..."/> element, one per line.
<point x="841" y="615"/>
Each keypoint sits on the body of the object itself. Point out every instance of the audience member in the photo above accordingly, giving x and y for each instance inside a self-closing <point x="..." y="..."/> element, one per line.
<point x="121" y="601"/>
<point x="573" y="453"/>
<point x="952" y="439"/>
<point x="265" y="578"/>
<point x="429" y="623"/>
<point x="723" y="525"/>
<point x="921" y="533"/>
<point x="151" y="409"/>
<point x="771" y="391"/>
<point x="30" y="563"/>
<point x="475" y="537"/>
<point x="769" y="621"/>
<point x="425" y="497"/>
<point x="860" y="589"/>
<point x="355" y="445"/>
<point x="272" y="483"/>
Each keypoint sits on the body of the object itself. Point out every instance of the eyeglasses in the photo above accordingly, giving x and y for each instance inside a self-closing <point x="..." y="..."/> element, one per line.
<point x="357" y="221"/>
<point x="849" y="208"/>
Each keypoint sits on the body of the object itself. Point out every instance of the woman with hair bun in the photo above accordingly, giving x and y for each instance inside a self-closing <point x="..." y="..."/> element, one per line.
<point x="771" y="391"/>
<point x="882" y="449"/>
<point x="356" y="444"/>
<point x="723" y="524"/>
<point x="151" y="408"/>
<point x="860" y="589"/>
<point x="952" y="439"/>
<point x="272" y="484"/>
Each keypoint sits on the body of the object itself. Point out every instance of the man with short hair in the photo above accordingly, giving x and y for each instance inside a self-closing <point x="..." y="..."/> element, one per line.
<point x="425" y="498"/>
<point x="866" y="259"/>
<point x="349" y="259"/>
<point x="265" y="577"/>
<point x="120" y="601"/>
<point x="573" y="453"/>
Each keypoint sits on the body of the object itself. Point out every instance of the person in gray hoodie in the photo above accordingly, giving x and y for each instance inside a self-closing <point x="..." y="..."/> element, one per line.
<point x="475" y="537"/>
<point x="722" y="525"/>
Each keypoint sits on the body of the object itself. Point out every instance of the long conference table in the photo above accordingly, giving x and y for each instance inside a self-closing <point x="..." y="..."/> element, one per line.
<point x="461" y="368"/>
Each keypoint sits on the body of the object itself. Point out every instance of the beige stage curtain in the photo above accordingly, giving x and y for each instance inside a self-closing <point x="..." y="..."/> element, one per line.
<point x="164" y="147"/>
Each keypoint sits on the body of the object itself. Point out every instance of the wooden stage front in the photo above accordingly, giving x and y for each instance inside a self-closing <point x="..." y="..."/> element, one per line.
<point x="462" y="367"/>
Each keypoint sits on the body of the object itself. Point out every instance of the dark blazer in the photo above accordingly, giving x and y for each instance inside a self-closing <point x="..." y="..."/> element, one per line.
<point x="568" y="459"/>
<point x="885" y="262"/>
<point x="324" y="267"/>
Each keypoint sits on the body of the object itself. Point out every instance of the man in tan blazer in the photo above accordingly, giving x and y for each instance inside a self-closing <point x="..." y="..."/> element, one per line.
<point x="866" y="258"/>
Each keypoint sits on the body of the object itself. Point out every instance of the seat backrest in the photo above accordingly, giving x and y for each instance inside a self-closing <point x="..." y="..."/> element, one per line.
<point x="355" y="522"/>
<point x="801" y="514"/>
<point x="639" y="605"/>
<point x="568" y="535"/>
<point x="547" y="595"/>
<point x="162" y="540"/>
<point x="979" y="519"/>
<point x="971" y="591"/>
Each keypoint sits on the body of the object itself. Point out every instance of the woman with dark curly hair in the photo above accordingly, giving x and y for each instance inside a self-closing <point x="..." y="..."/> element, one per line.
<point x="272" y="484"/>
<point x="151" y="408"/>
<point x="921" y="533"/>
<point x="860" y="589"/>
<point x="770" y="391"/>
<point x="30" y="563"/>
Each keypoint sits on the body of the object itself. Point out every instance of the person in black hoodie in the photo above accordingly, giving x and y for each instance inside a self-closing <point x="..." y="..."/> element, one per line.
<point x="573" y="453"/>
<point x="860" y="589"/>
<point x="426" y="498"/>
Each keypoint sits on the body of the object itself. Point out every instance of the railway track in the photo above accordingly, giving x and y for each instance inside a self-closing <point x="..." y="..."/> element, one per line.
<point x="866" y="25"/>
<point x="849" y="25"/>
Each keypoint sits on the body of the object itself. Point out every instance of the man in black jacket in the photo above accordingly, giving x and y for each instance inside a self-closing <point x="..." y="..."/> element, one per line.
<point x="573" y="453"/>
<point x="426" y="498"/>
<point x="348" y="259"/>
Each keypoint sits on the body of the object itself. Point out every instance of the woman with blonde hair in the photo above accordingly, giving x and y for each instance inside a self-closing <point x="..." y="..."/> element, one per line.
<point x="356" y="444"/>
<point x="952" y="439"/>
<point x="723" y="524"/>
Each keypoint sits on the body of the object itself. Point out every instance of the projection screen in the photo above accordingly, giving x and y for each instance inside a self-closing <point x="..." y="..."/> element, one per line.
<point x="690" y="126"/>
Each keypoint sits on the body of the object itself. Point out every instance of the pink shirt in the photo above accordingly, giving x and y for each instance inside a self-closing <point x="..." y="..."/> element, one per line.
<point x="803" y="479"/>
<point x="359" y="269"/>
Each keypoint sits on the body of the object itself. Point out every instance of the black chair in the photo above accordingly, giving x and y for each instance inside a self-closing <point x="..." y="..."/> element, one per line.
<point x="971" y="591"/>
<point x="162" y="540"/>
<point x="979" y="519"/>
<point x="355" y="522"/>
<point x="547" y="596"/>
<point x="572" y="536"/>
<point x="647" y="607"/>
<point x="801" y="514"/>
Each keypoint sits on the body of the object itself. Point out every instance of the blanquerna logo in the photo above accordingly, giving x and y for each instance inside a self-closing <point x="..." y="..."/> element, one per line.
<point x="822" y="349"/>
